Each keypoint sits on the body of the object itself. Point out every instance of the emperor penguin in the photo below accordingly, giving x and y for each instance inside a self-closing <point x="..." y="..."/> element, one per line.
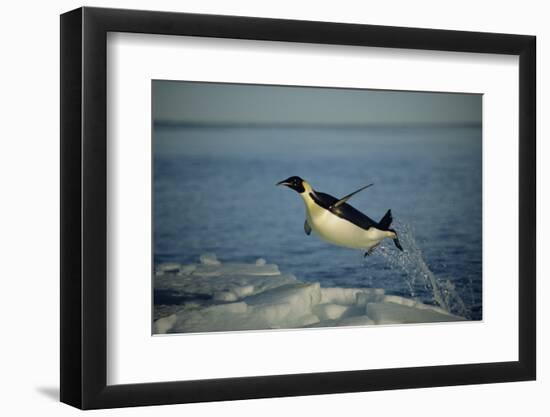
<point x="338" y="222"/>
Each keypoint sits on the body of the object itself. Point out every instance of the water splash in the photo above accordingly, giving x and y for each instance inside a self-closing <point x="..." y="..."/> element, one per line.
<point x="420" y="280"/>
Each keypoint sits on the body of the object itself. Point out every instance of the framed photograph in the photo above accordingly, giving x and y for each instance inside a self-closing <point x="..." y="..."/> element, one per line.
<point x="258" y="208"/>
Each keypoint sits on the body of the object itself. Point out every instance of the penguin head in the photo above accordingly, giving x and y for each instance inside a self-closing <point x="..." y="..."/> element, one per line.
<point x="296" y="183"/>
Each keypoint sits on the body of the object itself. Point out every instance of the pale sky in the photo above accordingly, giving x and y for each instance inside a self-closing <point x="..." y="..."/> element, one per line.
<point x="220" y="103"/>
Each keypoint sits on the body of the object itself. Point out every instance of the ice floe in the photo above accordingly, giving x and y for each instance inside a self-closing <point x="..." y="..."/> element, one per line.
<point x="215" y="296"/>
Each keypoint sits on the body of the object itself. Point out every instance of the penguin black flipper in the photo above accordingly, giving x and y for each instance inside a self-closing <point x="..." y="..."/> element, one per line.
<point x="347" y="197"/>
<point x="307" y="228"/>
<point x="344" y="211"/>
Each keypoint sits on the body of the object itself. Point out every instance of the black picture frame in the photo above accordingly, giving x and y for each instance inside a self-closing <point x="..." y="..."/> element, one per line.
<point x="84" y="207"/>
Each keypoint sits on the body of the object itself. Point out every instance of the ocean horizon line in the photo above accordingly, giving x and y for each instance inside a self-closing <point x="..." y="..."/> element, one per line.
<point x="240" y="125"/>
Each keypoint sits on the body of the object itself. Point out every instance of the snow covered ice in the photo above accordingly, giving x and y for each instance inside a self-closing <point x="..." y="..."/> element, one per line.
<point x="214" y="296"/>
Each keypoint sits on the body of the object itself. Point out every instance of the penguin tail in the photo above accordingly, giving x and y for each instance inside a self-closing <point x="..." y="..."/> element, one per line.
<point x="396" y="242"/>
<point x="385" y="221"/>
<point x="395" y="239"/>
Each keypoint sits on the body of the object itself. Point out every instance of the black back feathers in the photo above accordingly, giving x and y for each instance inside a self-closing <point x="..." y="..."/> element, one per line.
<point x="344" y="211"/>
<point x="385" y="222"/>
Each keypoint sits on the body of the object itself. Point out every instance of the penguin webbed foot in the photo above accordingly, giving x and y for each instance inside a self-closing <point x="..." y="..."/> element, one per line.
<point x="370" y="251"/>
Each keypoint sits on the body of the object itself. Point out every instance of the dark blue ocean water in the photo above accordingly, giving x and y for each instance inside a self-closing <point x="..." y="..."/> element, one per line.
<point x="214" y="191"/>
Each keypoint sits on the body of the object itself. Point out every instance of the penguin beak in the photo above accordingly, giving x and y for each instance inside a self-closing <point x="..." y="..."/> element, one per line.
<point x="283" y="182"/>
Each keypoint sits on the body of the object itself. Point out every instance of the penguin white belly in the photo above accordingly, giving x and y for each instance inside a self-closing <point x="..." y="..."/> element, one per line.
<point x="341" y="232"/>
